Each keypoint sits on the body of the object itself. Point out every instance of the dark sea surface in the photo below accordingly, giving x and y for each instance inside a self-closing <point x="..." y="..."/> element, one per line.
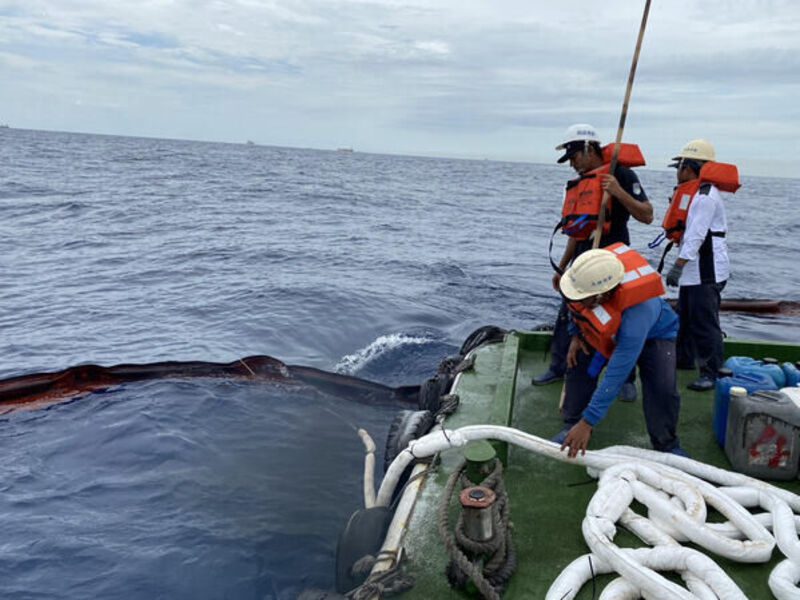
<point x="118" y="250"/>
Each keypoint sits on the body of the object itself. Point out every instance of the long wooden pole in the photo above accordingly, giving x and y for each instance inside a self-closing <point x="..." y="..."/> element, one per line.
<point x="601" y="218"/>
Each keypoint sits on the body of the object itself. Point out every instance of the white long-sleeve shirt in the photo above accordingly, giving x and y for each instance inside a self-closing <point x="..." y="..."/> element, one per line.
<point x="706" y="213"/>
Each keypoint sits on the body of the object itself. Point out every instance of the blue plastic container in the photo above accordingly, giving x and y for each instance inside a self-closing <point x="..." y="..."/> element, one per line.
<point x="773" y="369"/>
<point x="738" y="363"/>
<point x="792" y="374"/>
<point x="754" y="381"/>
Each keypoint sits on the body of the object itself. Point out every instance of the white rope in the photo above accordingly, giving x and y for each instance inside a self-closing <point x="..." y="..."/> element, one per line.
<point x="677" y="492"/>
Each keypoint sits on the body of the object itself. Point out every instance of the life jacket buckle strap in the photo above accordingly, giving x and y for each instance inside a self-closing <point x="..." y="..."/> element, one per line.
<point x="658" y="240"/>
<point x="664" y="256"/>
<point x="556" y="268"/>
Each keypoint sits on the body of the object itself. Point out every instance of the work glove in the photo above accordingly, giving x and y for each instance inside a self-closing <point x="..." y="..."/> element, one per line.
<point x="674" y="275"/>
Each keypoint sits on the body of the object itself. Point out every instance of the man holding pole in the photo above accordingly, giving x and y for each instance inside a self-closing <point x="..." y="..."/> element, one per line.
<point x="580" y="215"/>
<point x="610" y="187"/>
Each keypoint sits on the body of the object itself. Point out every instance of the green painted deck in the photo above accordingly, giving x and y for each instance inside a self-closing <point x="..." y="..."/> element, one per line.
<point x="548" y="498"/>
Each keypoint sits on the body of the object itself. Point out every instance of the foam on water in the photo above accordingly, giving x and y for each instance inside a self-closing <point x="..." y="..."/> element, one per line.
<point x="353" y="363"/>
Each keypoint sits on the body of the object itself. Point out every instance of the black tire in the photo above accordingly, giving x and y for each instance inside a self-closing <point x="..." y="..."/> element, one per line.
<point x="364" y="534"/>
<point x="488" y="334"/>
<point x="431" y="392"/>
<point x="449" y="364"/>
<point x="407" y="425"/>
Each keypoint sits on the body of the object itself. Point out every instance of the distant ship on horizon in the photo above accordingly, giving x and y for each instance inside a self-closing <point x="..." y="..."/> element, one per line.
<point x="345" y="150"/>
<point x="4" y="126"/>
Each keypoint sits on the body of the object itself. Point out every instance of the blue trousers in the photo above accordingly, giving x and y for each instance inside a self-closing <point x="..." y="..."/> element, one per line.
<point x="661" y="401"/>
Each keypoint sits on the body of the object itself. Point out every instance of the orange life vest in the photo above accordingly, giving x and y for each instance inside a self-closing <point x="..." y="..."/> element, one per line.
<point x="600" y="324"/>
<point x="722" y="175"/>
<point x="584" y="195"/>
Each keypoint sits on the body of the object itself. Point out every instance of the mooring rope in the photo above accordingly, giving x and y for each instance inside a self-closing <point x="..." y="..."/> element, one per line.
<point x="489" y="575"/>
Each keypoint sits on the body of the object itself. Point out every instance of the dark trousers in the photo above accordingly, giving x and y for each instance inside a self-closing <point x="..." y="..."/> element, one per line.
<point x="661" y="401"/>
<point x="700" y="336"/>
<point x="559" y="344"/>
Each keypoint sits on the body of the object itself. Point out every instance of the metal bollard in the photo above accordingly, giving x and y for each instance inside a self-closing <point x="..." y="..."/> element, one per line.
<point x="477" y="503"/>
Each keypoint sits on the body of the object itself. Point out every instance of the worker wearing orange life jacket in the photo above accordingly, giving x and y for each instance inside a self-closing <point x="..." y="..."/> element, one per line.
<point x="616" y="303"/>
<point x="696" y="219"/>
<point x="582" y="148"/>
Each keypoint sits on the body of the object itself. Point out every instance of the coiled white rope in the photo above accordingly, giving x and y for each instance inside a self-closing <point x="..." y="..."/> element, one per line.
<point x="677" y="492"/>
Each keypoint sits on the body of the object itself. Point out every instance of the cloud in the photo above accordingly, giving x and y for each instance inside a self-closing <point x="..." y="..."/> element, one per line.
<point x="479" y="76"/>
<point x="433" y="47"/>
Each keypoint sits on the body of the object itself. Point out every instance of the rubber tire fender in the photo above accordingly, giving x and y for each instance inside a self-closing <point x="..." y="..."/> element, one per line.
<point x="363" y="535"/>
<point x="407" y="425"/>
<point x="431" y="392"/>
<point x="449" y="364"/>
<point x="488" y="334"/>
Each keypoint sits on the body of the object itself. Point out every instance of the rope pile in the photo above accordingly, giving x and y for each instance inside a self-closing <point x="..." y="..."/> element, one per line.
<point x="677" y="493"/>
<point x="387" y="583"/>
<point x="489" y="565"/>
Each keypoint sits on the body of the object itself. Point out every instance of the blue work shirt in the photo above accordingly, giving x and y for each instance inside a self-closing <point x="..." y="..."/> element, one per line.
<point x="653" y="319"/>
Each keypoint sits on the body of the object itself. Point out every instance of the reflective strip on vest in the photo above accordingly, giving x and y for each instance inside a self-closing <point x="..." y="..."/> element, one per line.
<point x="601" y="314"/>
<point x="635" y="274"/>
<point x="646" y="270"/>
<point x="631" y="276"/>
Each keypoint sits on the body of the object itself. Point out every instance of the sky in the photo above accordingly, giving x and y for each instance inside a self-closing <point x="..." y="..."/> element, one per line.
<point x="497" y="79"/>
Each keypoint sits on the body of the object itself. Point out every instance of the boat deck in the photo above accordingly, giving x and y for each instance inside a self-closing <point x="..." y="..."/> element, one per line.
<point x="548" y="498"/>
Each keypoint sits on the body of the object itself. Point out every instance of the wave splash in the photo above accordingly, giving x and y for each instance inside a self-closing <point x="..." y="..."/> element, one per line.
<point x="352" y="363"/>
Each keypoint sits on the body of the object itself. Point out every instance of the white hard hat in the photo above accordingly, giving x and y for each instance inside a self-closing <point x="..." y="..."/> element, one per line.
<point x="593" y="272"/>
<point x="698" y="150"/>
<point x="580" y="132"/>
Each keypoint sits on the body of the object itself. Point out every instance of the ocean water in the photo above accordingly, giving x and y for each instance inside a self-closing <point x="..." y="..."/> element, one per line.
<point x="118" y="249"/>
